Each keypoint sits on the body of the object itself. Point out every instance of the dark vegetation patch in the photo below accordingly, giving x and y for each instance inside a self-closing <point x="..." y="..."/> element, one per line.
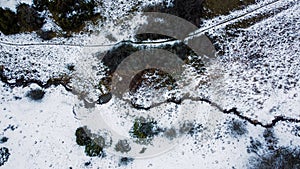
<point x="280" y="158"/>
<point x="255" y="146"/>
<point x="191" y="128"/>
<point x="36" y="94"/>
<point x="270" y="139"/>
<point x="117" y="54"/>
<point x="213" y="8"/>
<point x="23" y="81"/>
<point x="40" y="5"/>
<point x="268" y="144"/>
<point x="121" y="51"/>
<point x="27" y="19"/>
<point x="8" y="22"/>
<point x="195" y="129"/>
<point x="269" y="155"/>
<point x="71" y="15"/>
<point x="151" y="79"/>
<point x="46" y="35"/>
<point x="94" y="144"/>
<point x="296" y="131"/>
<point x="237" y="127"/>
<point x="195" y="10"/>
<point x="3" y="140"/>
<point x="4" y="155"/>
<point x="190" y="10"/>
<point x="93" y="149"/>
<point x="82" y="136"/>
<point x="125" y="161"/>
<point x="87" y="163"/>
<point x="144" y="130"/>
<point x="71" y="67"/>
<point x="123" y="146"/>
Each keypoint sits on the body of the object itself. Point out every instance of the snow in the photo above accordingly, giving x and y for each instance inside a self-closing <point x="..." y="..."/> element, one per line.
<point x="43" y="132"/>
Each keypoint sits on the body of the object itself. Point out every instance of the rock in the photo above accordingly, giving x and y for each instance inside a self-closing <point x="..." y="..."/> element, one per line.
<point x="104" y="98"/>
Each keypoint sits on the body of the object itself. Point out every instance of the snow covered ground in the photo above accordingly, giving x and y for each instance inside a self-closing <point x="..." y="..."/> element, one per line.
<point x="258" y="74"/>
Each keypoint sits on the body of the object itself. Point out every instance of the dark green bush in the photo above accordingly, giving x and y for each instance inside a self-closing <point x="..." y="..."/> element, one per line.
<point x="93" y="143"/>
<point x="28" y="18"/>
<point x="36" y="94"/>
<point x="70" y="15"/>
<point x="144" y="130"/>
<point x="92" y="149"/>
<point x="82" y="136"/>
<point x="8" y="22"/>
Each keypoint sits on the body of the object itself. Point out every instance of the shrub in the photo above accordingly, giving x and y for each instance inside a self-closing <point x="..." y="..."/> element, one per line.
<point x="191" y="10"/>
<point x="281" y="158"/>
<point x="40" y="5"/>
<point x="8" y="22"/>
<point x="28" y="18"/>
<point x="123" y="146"/>
<point x="46" y="35"/>
<point x="270" y="139"/>
<point x="237" y="128"/>
<point x="144" y="130"/>
<point x="93" y="143"/>
<point x="70" y="15"/>
<point x="125" y="161"/>
<point x="4" y="155"/>
<point x="82" y="136"/>
<point x="3" y="140"/>
<point x="36" y="94"/>
<point x="92" y="149"/>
